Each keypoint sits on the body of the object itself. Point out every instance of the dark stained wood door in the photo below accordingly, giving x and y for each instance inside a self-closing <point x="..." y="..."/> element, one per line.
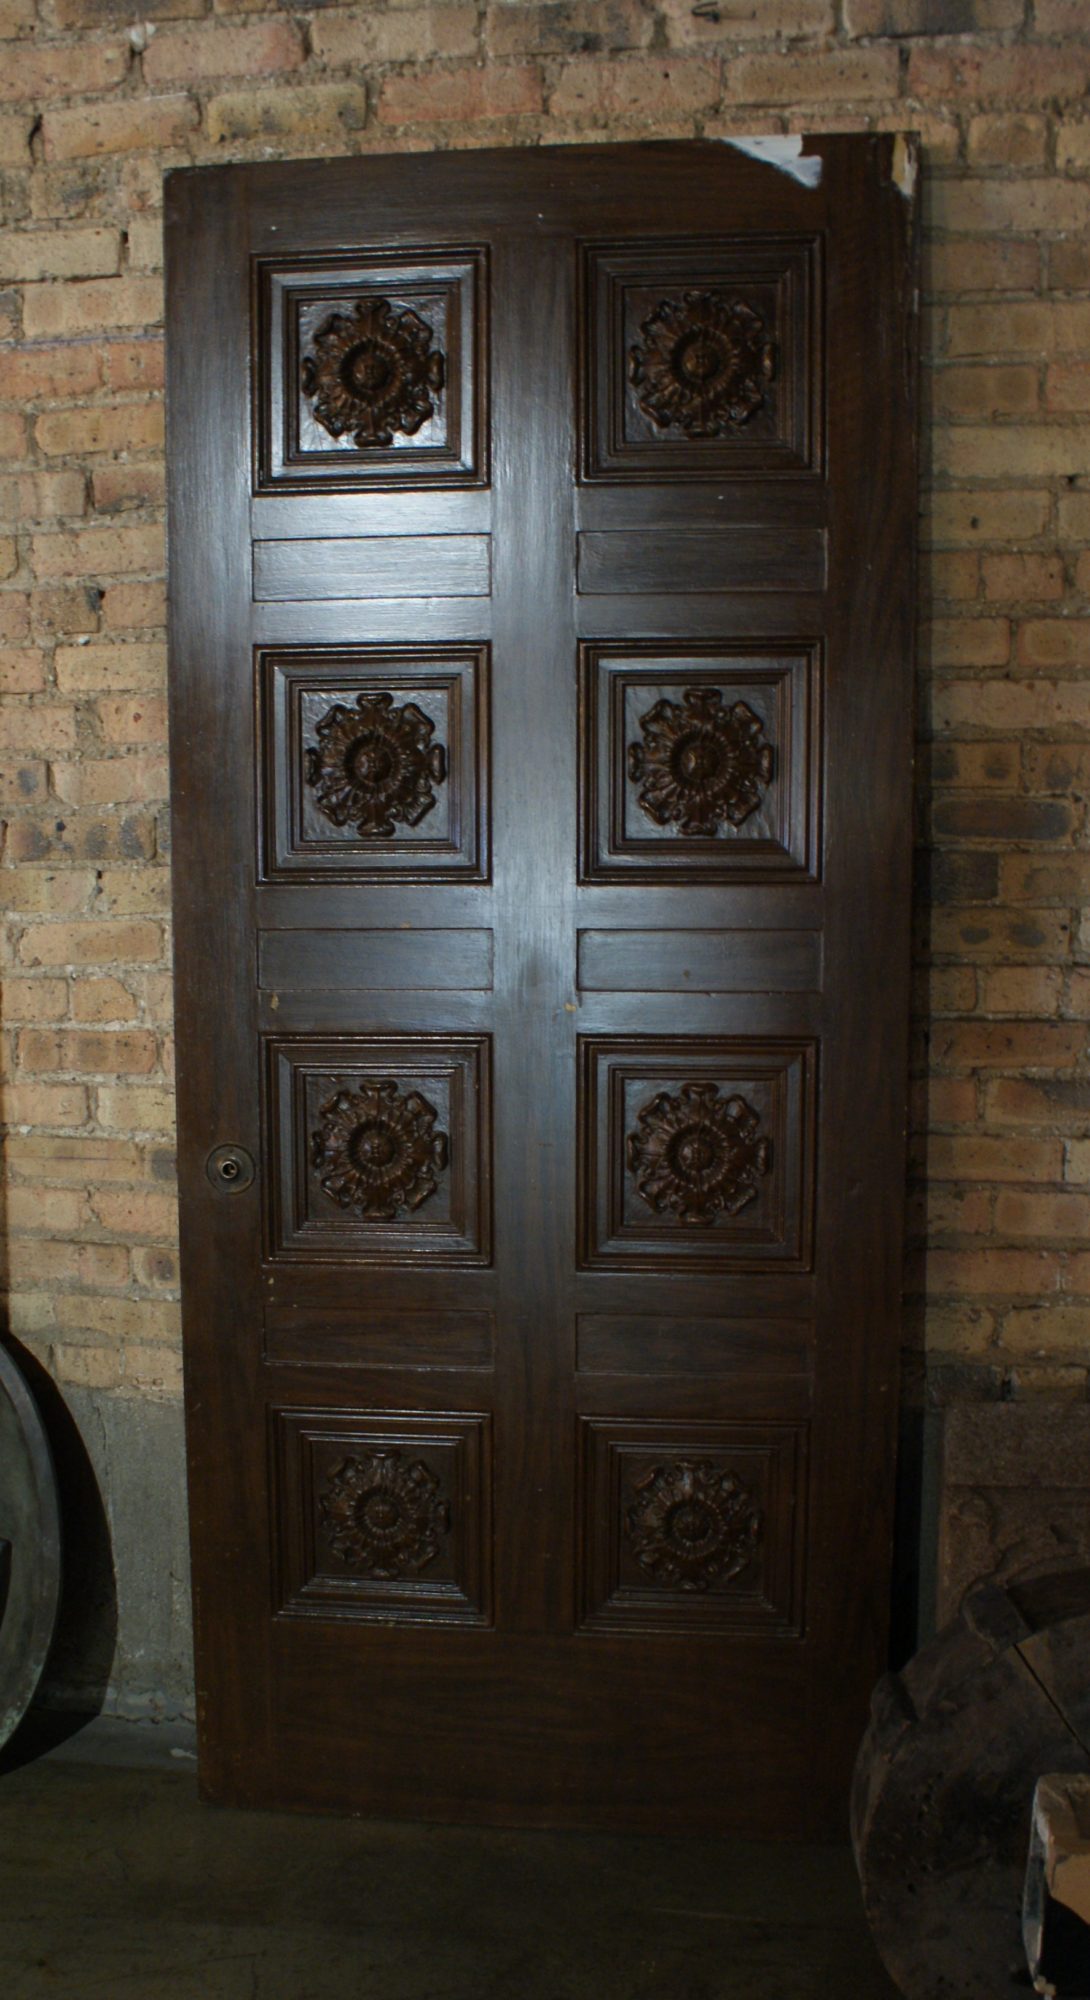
<point x="541" y="591"/>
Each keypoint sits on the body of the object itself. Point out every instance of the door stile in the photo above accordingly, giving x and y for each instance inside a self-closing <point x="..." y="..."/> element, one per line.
<point x="534" y="626"/>
<point x="868" y="864"/>
<point x="212" y="782"/>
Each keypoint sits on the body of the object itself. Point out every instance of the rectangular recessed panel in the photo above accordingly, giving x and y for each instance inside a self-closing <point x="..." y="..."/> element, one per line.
<point x="701" y="761"/>
<point x="372" y="370"/>
<point x="308" y="1336"/>
<point x="378" y="1149"/>
<point x="382" y="1516"/>
<point x="696" y="1152"/>
<point x="709" y="559"/>
<point x="421" y="961"/>
<point x="373" y="761"/>
<point x="648" y="1344"/>
<point x="700" y="961"/>
<point x="702" y="359"/>
<point x="692" y="1527"/>
<point x="373" y="566"/>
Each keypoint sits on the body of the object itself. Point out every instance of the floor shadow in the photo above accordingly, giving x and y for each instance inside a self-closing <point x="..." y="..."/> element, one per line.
<point x="41" y="1730"/>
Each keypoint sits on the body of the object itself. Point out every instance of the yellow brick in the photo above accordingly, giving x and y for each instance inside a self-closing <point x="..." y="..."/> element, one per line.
<point x="502" y="91"/>
<point x="985" y="392"/>
<point x="90" y="943"/>
<point x="1048" y="206"/>
<point x="154" y="1370"/>
<point x="85" y="130"/>
<point x="89" y="669"/>
<point x="111" y="780"/>
<point x="1000" y="140"/>
<point x="311" y="117"/>
<point x="98" y="306"/>
<point x="95" y="552"/>
<point x="183" y="55"/>
<point x="86" y="1367"/>
<point x="140" y="1108"/>
<point x="968" y="519"/>
<point x="801" y="78"/>
<point x="63" y="253"/>
<point x="1013" y="451"/>
<point x="415" y="34"/>
<point x="120" y="427"/>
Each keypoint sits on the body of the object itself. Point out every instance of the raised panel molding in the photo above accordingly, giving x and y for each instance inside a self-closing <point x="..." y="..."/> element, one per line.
<point x="315" y="1336"/>
<point x="694" y="1527"/>
<point x="696" y="1153"/>
<point x="379" y="1148"/>
<point x="374" y="763"/>
<point x="700" y="763"/>
<point x="739" y="559"/>
<point x="371" y="371"/>
<point x="701" y="359"/>
<point x="382" y="1516"/>
<point x="720" y="961"/>
<point x="371" y="567"/>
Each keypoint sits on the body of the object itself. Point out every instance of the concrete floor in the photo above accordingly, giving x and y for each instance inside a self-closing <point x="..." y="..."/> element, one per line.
<point x="116" y="1884"/>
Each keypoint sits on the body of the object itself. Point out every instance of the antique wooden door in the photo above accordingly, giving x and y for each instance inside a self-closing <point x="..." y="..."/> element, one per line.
<point x="541" y="593"/>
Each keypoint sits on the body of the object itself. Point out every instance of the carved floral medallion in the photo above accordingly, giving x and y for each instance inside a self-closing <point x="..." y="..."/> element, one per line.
<point x="375" y="765"/>
<point x="383" y="1514"/>
<point x="373" y="371"/>
<point x="702" y="762"/>
<point x="703" y="365"/>
<point x="697" y="1154"/>
<point x="692" y="1525"/>
<point x="377" y="1150"/>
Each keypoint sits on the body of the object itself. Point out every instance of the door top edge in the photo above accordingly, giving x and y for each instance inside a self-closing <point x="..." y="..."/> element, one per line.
<point x="469" y="167"/>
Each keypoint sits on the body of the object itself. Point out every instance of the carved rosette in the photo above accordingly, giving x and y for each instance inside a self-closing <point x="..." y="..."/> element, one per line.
<point x="383" y="1514"/>
<point x="692" y="1526"/>
<point x="702" y="762"/>
<point x="697" y="1155"/>
<point x="372" y="371"/>
<point x="375" y="765"/>
<point x="703" y="366"/>
<point x="377" y="1149"/>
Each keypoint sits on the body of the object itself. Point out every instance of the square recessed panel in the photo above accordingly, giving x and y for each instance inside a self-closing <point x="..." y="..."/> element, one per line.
<point x="379" y="1148"/>
<point x="696" y="1153"/>
<point x="700" y="763"/>
<point x="382" y="1516"/>
<point x="374" y="763"/>
<point x="372" y="371"/>
<point x="702" y="359"/>
<point x="692" y="1527"/>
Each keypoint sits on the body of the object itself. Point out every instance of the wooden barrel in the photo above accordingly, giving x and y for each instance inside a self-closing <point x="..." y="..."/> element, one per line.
<point x="944" y="1783"/>
<point x="30" y="1547"/>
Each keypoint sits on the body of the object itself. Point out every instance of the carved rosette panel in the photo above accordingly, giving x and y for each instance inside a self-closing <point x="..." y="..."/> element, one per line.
<point x="692" y="1525"/>
<point x="703" y="762"/>
<point x="702" y="365"/>
<point x="375" y="765"/>
<point x="372" y="372"/>
<point x="383" y="1514"/>
<point x="698" y="1154"/>
<point x="377" y="1150"/>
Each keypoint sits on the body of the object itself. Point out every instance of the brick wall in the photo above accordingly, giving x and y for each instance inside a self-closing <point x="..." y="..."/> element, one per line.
<point x="94" y="105"/>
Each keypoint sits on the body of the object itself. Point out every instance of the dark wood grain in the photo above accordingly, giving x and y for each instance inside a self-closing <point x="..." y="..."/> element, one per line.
<point x="541" y="740"/>
<point x="700" y="961"/>
<point x="645" y="1344"/>
<point x="372" y="566"/>
<point x="361" y="961"/>
<point x="366" y="1339"/>
<point x="738" y="558"/>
